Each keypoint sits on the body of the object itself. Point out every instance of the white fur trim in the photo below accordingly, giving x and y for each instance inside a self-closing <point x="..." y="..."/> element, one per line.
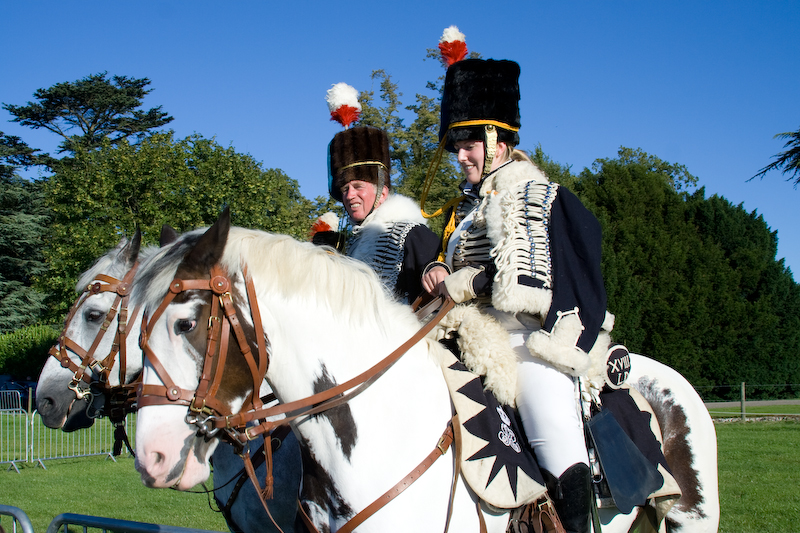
<point x="503" y="198"/>
<point x="485" y="349"/>
<point x="396" y="208"/>
<point x="608" y="322"/>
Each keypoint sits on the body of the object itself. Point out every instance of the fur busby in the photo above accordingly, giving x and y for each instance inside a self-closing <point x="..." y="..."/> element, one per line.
<point x="359" y="153"/>
<point x="480" y="89"/>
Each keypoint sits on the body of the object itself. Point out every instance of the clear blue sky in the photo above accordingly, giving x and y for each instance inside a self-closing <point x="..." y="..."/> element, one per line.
<point x="705" y="84"/>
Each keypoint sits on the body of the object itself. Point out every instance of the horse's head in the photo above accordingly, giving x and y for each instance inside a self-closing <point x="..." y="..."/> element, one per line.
<point x="97" y="357"/>
<point x="195" y="366"/>
<point x="85" y="359"/>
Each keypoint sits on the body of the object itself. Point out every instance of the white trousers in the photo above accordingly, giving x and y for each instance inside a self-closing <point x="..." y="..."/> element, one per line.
<point x="548" y="405"/>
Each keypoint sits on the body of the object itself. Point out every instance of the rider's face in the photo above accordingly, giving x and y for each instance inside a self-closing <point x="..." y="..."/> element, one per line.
<point x="359" y="197"/>
<point x="470" y="157"/>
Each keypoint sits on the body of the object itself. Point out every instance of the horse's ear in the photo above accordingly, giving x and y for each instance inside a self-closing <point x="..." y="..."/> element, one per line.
<point x="130" y="252"/>
<point x="208" y="250"/>
<point x="168" y="235"/>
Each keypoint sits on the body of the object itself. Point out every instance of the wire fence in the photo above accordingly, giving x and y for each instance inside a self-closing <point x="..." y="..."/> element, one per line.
<point x="751" y="391"/>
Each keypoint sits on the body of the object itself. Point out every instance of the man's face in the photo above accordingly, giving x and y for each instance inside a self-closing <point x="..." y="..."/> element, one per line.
<point x="358" y="198"/>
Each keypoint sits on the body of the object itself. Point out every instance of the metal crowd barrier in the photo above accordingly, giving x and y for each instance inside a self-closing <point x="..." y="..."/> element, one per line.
<point x="14" y="433"/>
<point x="25" y="439"/>
<point x="18" y="517"/>
<point x="63" y="521"/>
<point x="10" y="399"/>
<point x="67" y="522"/>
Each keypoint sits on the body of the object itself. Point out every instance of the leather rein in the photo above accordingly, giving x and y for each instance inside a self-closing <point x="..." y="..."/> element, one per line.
<point x="122" y="397"/>
<point x="211" y="415"/>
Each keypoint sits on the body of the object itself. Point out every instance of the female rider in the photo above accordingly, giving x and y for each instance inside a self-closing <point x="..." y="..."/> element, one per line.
<point x="527" y="252"/>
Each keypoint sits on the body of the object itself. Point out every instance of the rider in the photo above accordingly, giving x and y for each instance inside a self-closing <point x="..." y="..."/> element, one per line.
<point x="388" y="231"/>
<point x="528" y="253"/>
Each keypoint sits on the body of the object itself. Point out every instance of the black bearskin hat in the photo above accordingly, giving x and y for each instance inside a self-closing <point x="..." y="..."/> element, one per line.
<point x="359" y="153"/>
<point x="480" y="89"/>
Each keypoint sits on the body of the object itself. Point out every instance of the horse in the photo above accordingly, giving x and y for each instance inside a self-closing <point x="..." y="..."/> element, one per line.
<point x="72" y="380"/>
<point x="324" y="322"/>
<point x="65" y="401"/>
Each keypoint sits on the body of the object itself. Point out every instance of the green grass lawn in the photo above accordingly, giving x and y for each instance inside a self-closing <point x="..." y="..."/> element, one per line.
<point x="100" y="487"/>
<point x="759" y="475"/>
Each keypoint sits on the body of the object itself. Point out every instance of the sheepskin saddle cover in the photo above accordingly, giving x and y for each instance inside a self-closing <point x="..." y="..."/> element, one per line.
<point x="495" y="459"/>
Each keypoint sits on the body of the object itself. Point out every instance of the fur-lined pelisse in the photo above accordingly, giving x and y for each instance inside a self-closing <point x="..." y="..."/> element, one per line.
<point x="362" y="144"/>
<point x="480" y="89"/>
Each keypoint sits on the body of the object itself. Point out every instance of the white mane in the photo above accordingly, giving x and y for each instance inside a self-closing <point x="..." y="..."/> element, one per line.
<point x="284" y="266"/>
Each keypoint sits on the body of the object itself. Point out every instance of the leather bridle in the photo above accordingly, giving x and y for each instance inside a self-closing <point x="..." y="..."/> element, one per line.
<point x="121" y="398"/>
<point x="210" y="415"/>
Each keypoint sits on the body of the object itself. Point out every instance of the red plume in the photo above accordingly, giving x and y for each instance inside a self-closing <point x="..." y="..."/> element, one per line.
<point x="319" y="225"/>
<point x="327" y="222"/>
<point x="345" y="115"/>
<point x="343" y="104"/>
<point x="452" y="45"/>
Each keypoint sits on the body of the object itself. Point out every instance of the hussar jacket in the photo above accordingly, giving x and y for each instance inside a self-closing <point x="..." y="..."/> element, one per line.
<point x="526" y="245"/>
<point x="397" y="243"/>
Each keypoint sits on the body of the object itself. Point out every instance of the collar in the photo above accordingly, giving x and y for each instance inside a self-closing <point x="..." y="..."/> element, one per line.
<point x="396" y="208"/>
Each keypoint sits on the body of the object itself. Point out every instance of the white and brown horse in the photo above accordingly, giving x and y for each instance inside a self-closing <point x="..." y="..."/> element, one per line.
<point x="317" y="322"/>
<point x="92" y="374"/>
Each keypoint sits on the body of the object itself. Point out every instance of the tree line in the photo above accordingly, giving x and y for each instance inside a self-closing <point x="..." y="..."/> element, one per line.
<point x="693" y="280"/>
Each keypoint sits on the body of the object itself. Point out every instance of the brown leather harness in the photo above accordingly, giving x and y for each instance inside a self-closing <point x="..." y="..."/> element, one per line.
<point x="121" y="398"/>
<point x="210" y="415"/>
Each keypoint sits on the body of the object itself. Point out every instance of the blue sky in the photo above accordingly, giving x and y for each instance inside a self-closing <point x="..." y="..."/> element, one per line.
<point x="705" y="84"/>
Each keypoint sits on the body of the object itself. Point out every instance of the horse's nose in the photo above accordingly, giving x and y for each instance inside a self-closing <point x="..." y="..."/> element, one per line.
<point x="153" y="467"/>
<point x="53" y="409"/>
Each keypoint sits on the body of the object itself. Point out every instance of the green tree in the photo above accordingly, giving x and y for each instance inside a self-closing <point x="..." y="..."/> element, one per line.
<point x="15" y="153"/>
<point x="100" y="195"/>
<point x="97" y="107"/>
<point x="760" y="343"/>
<point x="693" y="282"/>
<point x="23" y="220"/>
<point x="788" y="161"/>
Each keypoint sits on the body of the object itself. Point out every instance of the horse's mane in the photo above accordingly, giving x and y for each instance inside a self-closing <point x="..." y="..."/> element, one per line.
<point x="110" y="264"/>
<point x="283" y="265"/>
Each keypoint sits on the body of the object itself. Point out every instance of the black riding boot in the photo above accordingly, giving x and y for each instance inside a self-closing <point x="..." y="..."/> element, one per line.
<point x="571" y="494"/>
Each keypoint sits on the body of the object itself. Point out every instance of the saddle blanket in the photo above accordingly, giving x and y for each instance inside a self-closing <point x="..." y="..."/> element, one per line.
<point x="495" y="459"/>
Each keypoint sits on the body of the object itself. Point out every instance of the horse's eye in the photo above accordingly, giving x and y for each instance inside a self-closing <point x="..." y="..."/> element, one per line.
<point x="92" y="315"/>
<point x="185" y="326"/>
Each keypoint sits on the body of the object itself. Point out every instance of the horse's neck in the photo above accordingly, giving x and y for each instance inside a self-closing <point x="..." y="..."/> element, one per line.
<point x="401" y="415"/>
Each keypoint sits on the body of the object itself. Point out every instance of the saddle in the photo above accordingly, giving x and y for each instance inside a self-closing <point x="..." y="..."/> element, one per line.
<point x="496" y="462"/>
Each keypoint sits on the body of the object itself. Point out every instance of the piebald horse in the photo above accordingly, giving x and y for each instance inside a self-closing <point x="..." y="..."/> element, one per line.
<point x="98" y="357"/>
<point x="323" y="320"/>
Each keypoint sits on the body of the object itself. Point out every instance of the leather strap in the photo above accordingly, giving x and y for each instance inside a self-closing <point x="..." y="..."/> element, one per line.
<point x="441" y="448"/>
<point x="208" y="386"/>
<point x="334" y="396"/>
<point x="120" y="397"/>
